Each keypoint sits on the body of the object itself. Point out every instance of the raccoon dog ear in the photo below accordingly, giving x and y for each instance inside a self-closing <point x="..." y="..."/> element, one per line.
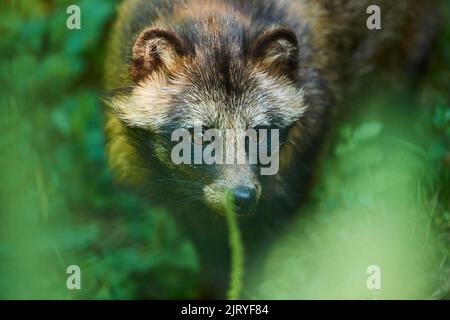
<point x="277" y="50"/>
<point x="155" y="48"/>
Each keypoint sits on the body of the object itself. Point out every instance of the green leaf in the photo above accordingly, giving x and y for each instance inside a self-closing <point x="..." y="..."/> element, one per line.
<point x="367" y="131"/>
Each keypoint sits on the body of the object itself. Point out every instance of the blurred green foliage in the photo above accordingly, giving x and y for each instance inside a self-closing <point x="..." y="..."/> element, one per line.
<point x="377" y="203"/>
<point x="59" y="204"/>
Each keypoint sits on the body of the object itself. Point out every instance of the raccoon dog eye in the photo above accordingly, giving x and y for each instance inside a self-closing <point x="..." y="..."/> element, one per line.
<point x="258" y="131"/>
<point x="197" y="136"/>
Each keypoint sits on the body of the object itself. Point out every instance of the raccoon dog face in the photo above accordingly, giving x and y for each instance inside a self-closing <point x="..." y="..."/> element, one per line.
<point x="220" y="80"/>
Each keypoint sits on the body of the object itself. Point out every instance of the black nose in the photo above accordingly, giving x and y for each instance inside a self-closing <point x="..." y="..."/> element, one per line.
<point x="244" y="200"/>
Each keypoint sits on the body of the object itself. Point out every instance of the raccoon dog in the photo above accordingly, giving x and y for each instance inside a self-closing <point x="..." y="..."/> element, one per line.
<point x="239" y="64"/>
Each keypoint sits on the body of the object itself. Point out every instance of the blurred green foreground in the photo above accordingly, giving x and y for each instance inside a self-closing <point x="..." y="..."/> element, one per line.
<point x="382" y="197"/>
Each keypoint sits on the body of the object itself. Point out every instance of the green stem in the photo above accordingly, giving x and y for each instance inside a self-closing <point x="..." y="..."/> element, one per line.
<point x="237" y="252"/>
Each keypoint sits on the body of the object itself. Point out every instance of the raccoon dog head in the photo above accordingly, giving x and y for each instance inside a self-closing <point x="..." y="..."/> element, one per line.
<point x="223" y="80"/>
